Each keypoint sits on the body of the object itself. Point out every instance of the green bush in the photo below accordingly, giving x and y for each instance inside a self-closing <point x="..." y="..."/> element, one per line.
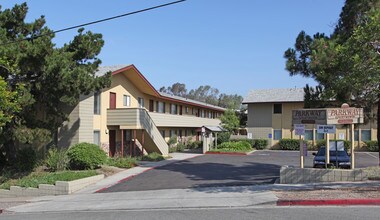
<point x="26" y="159"/>
<point x="289" y="144"/>
<point x="86" y="156"/>
<point x="120" y="162"/>
<point x="236" y="146"/>
<point x="372" y="146"/>
<point x="250" y="141"/>
<point x="57" y="159"/>
<point x="153" y="157"/>
<point x="260" y="144"/>
<point x="3" y="160"/>
<point x="180" y="147"/>
<point x="223" y="137"/>
<point x="173" y="140"/>
<point x="194" y="145"/>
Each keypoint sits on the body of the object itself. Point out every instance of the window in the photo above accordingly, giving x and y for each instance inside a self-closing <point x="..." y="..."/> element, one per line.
<point x="126" y="100"/>
<point x="187" y="109"/>
<point x="202" y="113"/>
<point x="151" y="105"/>
<point x="277" y="134"/>
<point x="277" y="108"/>
<point x="141" y="102"/>
<point x="97" y="103"/>
<point x="173" y="133"/>
<point x="309" y="135"/>
<point x="209" y="114"/>
<point x="162" y="133"/>
<point x="97" y="137"/>
<point x="320" y="136"/>
<point x="366" y="135"/>
<point x="356" y="135"/>
<point x="173" y="109"/>
<point x="161" y="107"/>
<point x="186" y="134"/>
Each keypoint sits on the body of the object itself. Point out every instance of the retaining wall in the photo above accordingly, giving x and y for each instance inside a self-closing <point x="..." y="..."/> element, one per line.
<point x="292" y="175"/>
<point x="60" y="188"/>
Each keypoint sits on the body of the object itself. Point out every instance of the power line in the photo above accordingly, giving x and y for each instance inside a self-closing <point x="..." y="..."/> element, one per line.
<point x="94" y="22"/>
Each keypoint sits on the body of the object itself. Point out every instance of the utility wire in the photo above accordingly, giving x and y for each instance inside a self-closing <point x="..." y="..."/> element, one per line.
<point x="94" y="22"/>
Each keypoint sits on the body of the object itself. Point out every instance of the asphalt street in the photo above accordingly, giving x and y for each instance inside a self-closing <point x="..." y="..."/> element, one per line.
<point x="261" y="167"/>
<point x="294" y="213"/>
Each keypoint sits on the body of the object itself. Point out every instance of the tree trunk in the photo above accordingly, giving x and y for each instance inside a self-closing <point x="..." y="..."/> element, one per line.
<point x="378" y="126"/>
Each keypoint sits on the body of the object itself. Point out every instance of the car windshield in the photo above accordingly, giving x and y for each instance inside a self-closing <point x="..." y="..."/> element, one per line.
<point x="322" y="152"/>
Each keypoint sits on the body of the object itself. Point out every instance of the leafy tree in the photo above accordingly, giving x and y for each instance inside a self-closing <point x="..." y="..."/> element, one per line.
<point x="205" y="94"/>
<point x="230" y="120"/>
<point x="51" y="78"/>
<point x="346" y="64"/>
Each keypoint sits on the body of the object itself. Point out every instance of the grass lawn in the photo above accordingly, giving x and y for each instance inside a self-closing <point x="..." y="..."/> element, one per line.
<point x="35" y="178"/>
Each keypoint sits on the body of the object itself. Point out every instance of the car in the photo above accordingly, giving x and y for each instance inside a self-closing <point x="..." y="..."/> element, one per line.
<point x="340" y="159"/>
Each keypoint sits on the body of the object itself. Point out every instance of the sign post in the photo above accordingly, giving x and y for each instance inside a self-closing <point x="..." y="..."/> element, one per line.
<point x="327" y="129"/>
<point x="352" y="147"/>
<point x="300" y="130"/>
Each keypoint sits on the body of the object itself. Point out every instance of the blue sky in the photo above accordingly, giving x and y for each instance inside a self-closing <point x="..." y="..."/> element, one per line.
<point x="232" y="45"/>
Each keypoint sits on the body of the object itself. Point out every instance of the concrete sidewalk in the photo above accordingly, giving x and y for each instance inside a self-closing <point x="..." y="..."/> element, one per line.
<point x="129" y="173"/>
<point x="154" y="199"/>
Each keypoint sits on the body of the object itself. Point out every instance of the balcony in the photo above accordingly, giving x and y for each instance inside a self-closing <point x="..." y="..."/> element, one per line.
<point x="130" y="118"/>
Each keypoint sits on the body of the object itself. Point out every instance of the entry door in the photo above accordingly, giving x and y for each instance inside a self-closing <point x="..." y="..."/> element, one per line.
<point x="112" y="140"/>
<point x="180" y="109"/>
<point x="112" y="100"/>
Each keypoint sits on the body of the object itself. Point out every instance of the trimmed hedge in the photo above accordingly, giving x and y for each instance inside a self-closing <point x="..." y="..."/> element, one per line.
<point x="289" y="144"/>
<point x="372" y="146"/>
<point x="258" y="144"/>
<point x="236" y="146"/>
<point x="84" y="156"/>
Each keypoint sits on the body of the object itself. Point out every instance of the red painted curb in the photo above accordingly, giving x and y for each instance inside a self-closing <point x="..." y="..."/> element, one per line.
<point x="227" y="153"/>
<point x="328" y="202"/>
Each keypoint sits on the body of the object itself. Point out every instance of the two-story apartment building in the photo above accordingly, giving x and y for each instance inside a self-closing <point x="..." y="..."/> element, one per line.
<point x="270" y="117"/>
<point x="131" y="117"/>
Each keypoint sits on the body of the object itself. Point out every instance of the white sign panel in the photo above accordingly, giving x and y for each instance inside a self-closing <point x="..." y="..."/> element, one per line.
<point x="299" y="129"/>
<point x="326" y="129"/>
<point x="249" y="136"/>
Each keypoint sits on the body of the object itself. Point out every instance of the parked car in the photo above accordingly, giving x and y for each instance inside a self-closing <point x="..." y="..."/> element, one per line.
<point x="339" y="159"/>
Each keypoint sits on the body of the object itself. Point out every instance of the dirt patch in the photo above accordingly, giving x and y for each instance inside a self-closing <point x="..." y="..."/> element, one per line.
<point x="343" y="193"/>
<point x="109" y="170"/>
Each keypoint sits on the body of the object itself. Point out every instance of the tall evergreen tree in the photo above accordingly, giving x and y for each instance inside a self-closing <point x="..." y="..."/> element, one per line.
<point x="346" y="64"/>
<point x="52" y="77"/>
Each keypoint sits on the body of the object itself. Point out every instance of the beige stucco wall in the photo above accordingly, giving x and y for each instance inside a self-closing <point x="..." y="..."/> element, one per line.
<point x="260" y="115"/>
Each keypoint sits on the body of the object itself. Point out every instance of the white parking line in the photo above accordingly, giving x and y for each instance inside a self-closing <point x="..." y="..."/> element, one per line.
<point x="371" y="155"/>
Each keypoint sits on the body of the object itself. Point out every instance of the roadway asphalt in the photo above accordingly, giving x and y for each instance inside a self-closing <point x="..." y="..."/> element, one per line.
<point x="261" y="167"/>
<point x="295" y="213"/>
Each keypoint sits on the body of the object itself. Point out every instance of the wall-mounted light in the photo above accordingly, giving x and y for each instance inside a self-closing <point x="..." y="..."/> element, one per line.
<point x="106" y="131"/>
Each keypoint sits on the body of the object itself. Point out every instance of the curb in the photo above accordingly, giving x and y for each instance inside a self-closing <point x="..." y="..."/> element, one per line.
<point x="329" y="202"/>
<point x="228" y="153"/>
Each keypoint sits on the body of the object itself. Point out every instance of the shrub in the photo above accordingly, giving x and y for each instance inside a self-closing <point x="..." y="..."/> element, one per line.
<point x="194" y="145"/>
<point x="86" y="156"/>
<point x="26" y="159"/>
<point x="289" y="144"/>
<point x="260" y="144"/>
<point x="223" y="137"/>
<point x="120" y="162"/>
<point x="57" y="159"/>
<point x="372" y="146"/>
<point x="172" y="149"/>
<point x="250" y="141"/>
<point x="236" y="146"/>
<point x="153" y="157"/>
<point x="180" y="147"/>
<point x="3" y="160"/>
<point x="173" y="140"/>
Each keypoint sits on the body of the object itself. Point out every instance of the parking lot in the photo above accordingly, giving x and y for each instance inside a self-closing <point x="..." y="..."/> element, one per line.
<point x="261" y="167"/>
